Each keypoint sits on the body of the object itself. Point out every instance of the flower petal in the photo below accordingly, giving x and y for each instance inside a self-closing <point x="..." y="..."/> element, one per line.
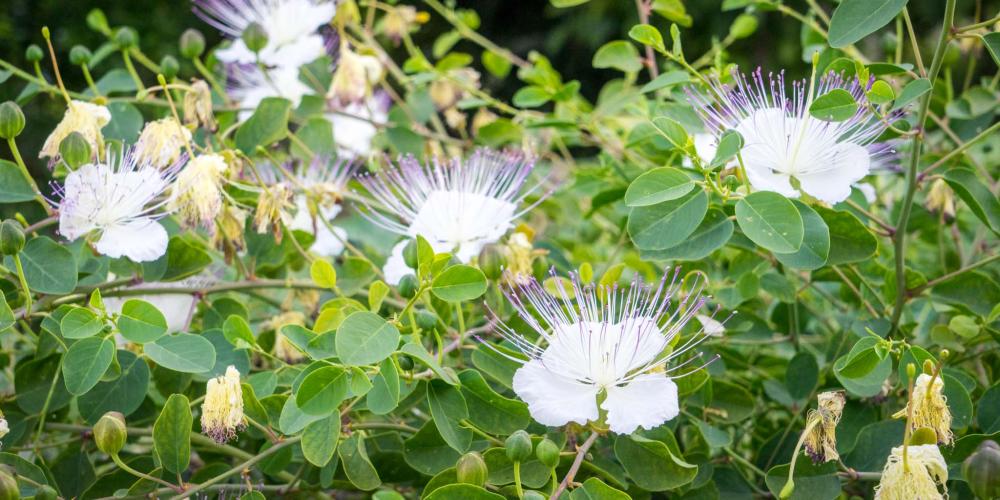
<point x="554" y="400"/>
<point x="831" y="180"/>
<point x="141" y="240"/>
<point x="395" y="266"/>
<point x="647" y="401"/>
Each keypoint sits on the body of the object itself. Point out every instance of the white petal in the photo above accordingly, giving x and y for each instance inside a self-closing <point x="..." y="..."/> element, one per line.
<point x="647" y="401"/>
<point x="451" y="220"/>
<point x="603" y="353"/>
<point x="868" y="191"/>
<point x="237" y="52"/>
<point x="302" y="51"/>
<point x="395" y="266"/>
<point x="552" y="399"/>
<point x="830" y="181"/>
<point x="705" y="146"/>
<point x="141" y="240"/>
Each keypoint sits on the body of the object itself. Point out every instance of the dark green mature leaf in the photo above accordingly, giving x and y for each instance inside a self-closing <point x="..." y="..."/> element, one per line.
<point x="459" y="283"/>
<point x="292" y="420"/>
<point x="80" y="323"/>
<point x="319" y="440"/>
<point x="850" y="240"/>
<point x="427" y="452"/>
<point x="357" y="466"/>
<point x="658" y="185"/>
<point x="812" y="482"/>
<point x="988" y="412"/>
<point x="33" y="381"/>
<point x="815" y="247"/>
<point x="6" y="314"/>
<point x="595" y="489"/>
<point x="911" y="92"/>
<point x="27" y="469"/>
<point x="420" y="354"/>
<point x="85" y="364"/>
<point x="267" y="125"/>
<point x="365" y="338"/>
<point x="141" y="322"/>
<point x="976" y="195"/>
<point x="463" y="491"/>
<point x="384" y="395"/>
<point x="322" y="391"/>
<point x="490" y="411"/>
<point x="448" y="409"/>
<point x="836" y="105"/>
<point x="652" y="464"/>
<point x="667" y="224"/>
<point x="868" y="369"/>
<point x="771" y="221"/>
<point x="125" y="124"/>
<point x="713" y="232"/>
<point x="801" y="375"/>
<point x="172" y="434"/>
<point x="500" y="469"/>
<point x="124" y="394"/>
<point x="855" y="19"/>
<point x="185" y="257"/>
<point x="48" y="266"/>
<point x="973" y="291"/>
<point x="183" y="353"/>
<point x="992" y="43"/>
<point x="618" y="54"/>
<point x="13" y="186"/>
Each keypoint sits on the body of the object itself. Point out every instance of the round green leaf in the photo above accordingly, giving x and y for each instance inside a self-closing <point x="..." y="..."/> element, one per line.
<point x="365" y="338"/>
<point x="988" y="414"/>
<point x="667" y="224"/>
<point x="656" y="186"/>
<point x="322" y="390"/>
<point x="836" y="105"/>
<point x="124" y="394"/>
<point x="183" y="353"/>
<point x="459" y="283"/>
<point x="172" y="434"/>
<point x="652" y="464"/>
<point x="770" y="221"/>
<point x="80" y="323"/>
<point x="85" y="363"/>
<point x="815" y="247"/>
<point x="48" y="266"/>
<point x="618" y="54"/>
<point x="319" y="440"/>
<point x="713" y="232"/>
<point x="141" y="321"/>
<point x="850" y="240"/>
<point x="448" y="409"/>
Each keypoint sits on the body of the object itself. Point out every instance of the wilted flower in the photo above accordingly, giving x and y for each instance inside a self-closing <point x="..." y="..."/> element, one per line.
<point x="162" y="142"/>
<point x="319" y="191"/>
<point x="272" y="205"/>
<point x="83" y="117"/>
<point x="232" y="221"/>
<point x="355" y="125"/>
<point x="222" y="411"/>
<point x="941" y="199"/>
<point x="198" y="106"/>
<point x="399" y="20"/>
<point x="783" y="141"/>
<point x="116" y="201"/>
<point x="821" y="440"/>
<point x="446" y="92"/>
<point x="354" y="77"/>
<point x="922" y="475"/>
<point x="197" y="194"/>
<point x="291" y="27"/>
<point x="519" y="255"/>
<point x="602" y="343"/>
<point x="930" y="408"/>
<point x="457" y="206"/>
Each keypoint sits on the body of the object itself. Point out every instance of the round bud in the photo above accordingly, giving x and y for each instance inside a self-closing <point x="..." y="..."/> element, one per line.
<point x="110" y="433"/>
<point x="518" y="446"/>
<point x="492" y="261"/>
<point x="169" y="67"/>
<point x="426" y="319"/>
<point x="11" y="237"/>
<point x="98" y="21"/>
<point x="410" y="254"/>
<point x="11" y="120"/>
<point x="8" y="486"/>
<point x="911" y="370"/>
<point x="75" y="150"/>
<point x="471" y="469"/>
<point x="192" y="43"/>
<point x="928" y="367"/>
<point x="46" y="492"/>
<point x="33" y="53"/>
<point x="408" y="286"/>
<point x="405" y="362"/>
<point x="254" y="37"/>
<point x="982" y="470"/>
<point x="80" y="55"/>
<point x="126" y="37"/>
<point x="547" y="452"/>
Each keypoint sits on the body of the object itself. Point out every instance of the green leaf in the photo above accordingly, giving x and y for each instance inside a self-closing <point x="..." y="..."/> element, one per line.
<point x="365" y="338"/>
<point x="48" y="266"/>
<point x="322" y="391"/>
<point x="988" y="413"/>
<point x="184" y="258"/>
<point x="323" y="274"/>
<point x="183" y="353"/>
<point x="125" y="124"/>
<point x="802" y="375"/>
<point x="812" y="482"/>
<point x="653" y="465"/>
<point x="815" y="247"/>
<point x="459" y="283"/>
<point x="490" y="411"/>
<point x="448" y="409"/>
<point x="427" y="452"/>
<point x="666" y="224"/>
<point x="420" y="353"/>
<point x="620" y="55"/>
<point x="319" y="440"/>
<point x="595" y="489"/>
<point x="13" y="186"/>
<point x="976" y="195"/>
<point x="463" y="491"/>
<point x="292" y="419"/>
<point x="237" y="331"/>
<point x="672" y="131"/>
<point x="33" y="380"/>
<point x="771" y="221"/>
<point x="85" y="363"/>
<point x="855" y="19"/>
<point x="172" y="434"/>
<point x="850" y="240"/>
<point x="648" y="35"/>
<point x="973" y="291"/>
<point x="735" y="401"/>
<point x="141" y="322"/>
<point x="836" y="105"/>
<point x="870" y="383"/>
<point x="124" y="394"/>
<point x="80" y="323"/>
<point x="501" y="469"/>
<point x="713" y="232"/>
<point x="384" y="394"/>
<point x="7" y="318"/>
<point x="992" y="43"/>
<point x="562" y="4"/>
<point x="911" y="91"/>
<point x="658" y="185"/>
<point x="496" y="64"/>
<point x="357" y="466"/>
<point x="267" y="125"/>
<point x="880" y="93"/>
<point x="730" y="144"/>
<point x="531" y="96"/>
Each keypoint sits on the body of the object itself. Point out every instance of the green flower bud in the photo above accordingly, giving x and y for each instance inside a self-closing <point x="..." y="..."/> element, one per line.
<point x="169" y="67"/>
<point x="126" y="37"/>
<point x="982" y="470"/>
<point x="8" y="486"/>
<point x="11" y="237"/>
<point x="408" y="286"/>
<point x="11" y="120"/>
<point x="492" y="261"/>
<point x="405" y="362"/>
<point x="80" y="55"/>
<point x="471" y="469"/>
<point x="33" y="53"/>
<point x="97" y="21"/>
<point x="410" y="254"/>
<point x="426" y="319"/>
<point x="192" y="43"/>
<point x="518" y="446"/>
<point x="254" y="37"/>
<point x="110" y="433"/>
<point x="547" y="452"/>
<point x="75" y="150"/>
<point x="46" y="492"/>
